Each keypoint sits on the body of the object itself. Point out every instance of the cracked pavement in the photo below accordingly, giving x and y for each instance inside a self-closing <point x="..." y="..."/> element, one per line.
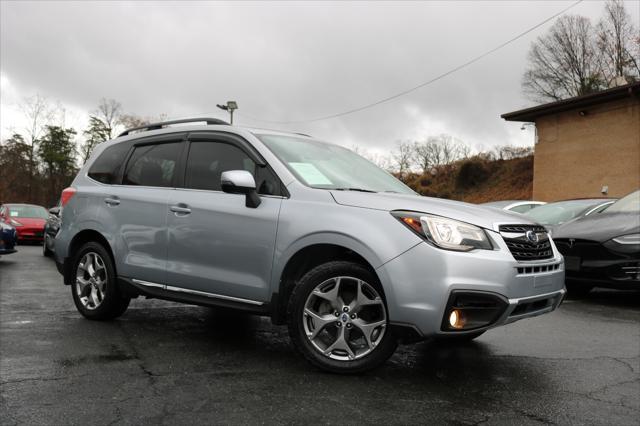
<point x="166" y="363"/>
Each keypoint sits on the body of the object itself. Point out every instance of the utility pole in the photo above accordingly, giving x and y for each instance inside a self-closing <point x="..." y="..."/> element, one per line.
<point x="230" y="106"/>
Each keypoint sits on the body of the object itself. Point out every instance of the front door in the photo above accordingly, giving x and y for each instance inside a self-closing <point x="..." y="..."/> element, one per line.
<point x="217" y="245"/>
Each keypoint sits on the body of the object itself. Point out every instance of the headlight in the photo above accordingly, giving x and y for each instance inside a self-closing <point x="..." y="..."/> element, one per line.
<point x="628" y="239"/>
<point x="445" y="233"/>
<point x="14" y="222"/>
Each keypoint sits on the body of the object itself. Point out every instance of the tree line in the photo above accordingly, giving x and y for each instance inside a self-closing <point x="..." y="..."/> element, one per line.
<point x="41" y="159"/>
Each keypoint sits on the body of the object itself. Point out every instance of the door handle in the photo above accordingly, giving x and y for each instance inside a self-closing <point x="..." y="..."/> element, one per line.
<point x="112" y="201"/>
<point x="180" y="209"/>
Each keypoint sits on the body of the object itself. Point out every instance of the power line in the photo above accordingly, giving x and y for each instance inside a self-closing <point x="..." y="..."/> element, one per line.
<point x="421" y="85"/>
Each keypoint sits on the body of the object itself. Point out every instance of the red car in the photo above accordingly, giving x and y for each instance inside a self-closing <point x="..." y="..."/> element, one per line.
<point x="28" y="219"/>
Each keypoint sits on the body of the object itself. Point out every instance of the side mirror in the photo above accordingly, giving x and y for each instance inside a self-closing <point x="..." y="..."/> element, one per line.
<point x="54" y="211"/>
<point x="241" y="182"/>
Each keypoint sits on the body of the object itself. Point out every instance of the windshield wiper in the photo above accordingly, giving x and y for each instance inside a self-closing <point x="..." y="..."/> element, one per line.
<point x="353" y="189"/>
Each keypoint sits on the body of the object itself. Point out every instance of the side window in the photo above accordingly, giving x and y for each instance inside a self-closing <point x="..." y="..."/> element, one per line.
<point x="153" y="165"/>
<point x="106" y="167"/>
<point x="207" y="161"/>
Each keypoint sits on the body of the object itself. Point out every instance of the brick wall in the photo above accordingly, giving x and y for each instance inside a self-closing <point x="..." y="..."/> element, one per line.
<point x="577" y="155"/>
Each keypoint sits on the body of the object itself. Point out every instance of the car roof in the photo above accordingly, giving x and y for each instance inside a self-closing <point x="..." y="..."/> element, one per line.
<point x="184" y="127"/>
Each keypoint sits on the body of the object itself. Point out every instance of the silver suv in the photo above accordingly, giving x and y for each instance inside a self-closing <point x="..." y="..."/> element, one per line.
<point x="303" y="231"/>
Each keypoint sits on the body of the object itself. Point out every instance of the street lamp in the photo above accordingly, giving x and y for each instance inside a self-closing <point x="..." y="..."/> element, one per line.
<point x="230" y="106"/>
<point x="535" y="131"/>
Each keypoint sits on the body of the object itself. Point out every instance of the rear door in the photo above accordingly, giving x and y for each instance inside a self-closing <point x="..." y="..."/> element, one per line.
<point x="136" y="211"/>
<point x="217" y="245"/>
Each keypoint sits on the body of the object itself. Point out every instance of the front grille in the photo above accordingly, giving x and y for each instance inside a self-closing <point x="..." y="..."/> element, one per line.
<point x="523" y="248"/>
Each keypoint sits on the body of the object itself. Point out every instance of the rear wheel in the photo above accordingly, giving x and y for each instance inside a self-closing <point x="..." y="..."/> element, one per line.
<point x="95" y="291"/>
<point x="338" y="319"/>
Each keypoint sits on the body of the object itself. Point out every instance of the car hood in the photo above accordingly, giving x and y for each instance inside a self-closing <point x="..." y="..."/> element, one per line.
<point x="485" y="217"/>
<point x="600" y="227"/>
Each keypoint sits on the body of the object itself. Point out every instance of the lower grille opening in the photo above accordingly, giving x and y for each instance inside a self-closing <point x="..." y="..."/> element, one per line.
<point x="526" y="308"/>
<point x="538" y="269"/>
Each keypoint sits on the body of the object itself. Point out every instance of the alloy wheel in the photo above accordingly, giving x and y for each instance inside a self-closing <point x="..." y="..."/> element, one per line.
<point x="91" y="280"/>
<point x="344" y="318"/>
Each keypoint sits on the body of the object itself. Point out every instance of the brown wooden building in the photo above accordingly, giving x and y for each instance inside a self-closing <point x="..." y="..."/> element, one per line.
<point x="587" y="146"/>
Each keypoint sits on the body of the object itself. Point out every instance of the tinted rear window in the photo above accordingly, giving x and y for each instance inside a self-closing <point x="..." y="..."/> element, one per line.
<point x="153" y="165"/>
<point x="106" y="168"/>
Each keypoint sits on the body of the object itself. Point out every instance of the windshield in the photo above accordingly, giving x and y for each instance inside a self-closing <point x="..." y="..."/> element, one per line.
<point x="29" y="212"/>
<point x="560" y="212"/>
<point x="325" y="166"/>
<point x="628" y="204"/>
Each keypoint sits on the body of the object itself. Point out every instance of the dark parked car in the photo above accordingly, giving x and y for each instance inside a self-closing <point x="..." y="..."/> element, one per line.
<point x="51" y="228"/>
<point x="28" y="219"/>
<point x="554" y="214"/>
<point x="7" y="239"/>
<point x="603" y="250"/>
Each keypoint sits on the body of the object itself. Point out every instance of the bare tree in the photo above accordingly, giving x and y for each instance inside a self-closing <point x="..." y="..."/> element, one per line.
<point x="450" y="149"/>
<point x="38" y="113"/>
<point x="108" y="112"/>
<point x="439" y="150"/>
<point x="464" y="151"/>
<point x="619" y="42"/>
<point x="402" y="157"/>
<point x="565" y="62"/>
<point x="377" y="159"/>
<point x="131" y="120"/>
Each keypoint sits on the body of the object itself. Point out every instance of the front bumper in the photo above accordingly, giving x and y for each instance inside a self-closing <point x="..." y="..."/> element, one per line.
<point x="418" y="285"/>
<point x="30" y="234"/>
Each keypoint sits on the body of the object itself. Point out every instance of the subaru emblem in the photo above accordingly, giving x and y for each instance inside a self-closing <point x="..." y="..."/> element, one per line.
<point x="532" y="236"/>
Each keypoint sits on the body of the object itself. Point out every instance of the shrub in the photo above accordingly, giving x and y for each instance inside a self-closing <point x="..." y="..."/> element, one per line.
<point x="473" y="172"/>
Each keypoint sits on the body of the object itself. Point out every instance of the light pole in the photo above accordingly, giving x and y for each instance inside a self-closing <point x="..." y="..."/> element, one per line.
<point x="230" y="106"/>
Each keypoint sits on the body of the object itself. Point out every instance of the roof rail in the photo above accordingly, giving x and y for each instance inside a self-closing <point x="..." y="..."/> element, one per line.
<point x="160" y="125"/>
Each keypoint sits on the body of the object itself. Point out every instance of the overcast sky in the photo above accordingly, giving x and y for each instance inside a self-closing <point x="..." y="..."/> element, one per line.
<point x="281" y="62"/>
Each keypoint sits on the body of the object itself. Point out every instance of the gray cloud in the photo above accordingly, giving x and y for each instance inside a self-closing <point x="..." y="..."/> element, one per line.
<point x="284" y="61"/>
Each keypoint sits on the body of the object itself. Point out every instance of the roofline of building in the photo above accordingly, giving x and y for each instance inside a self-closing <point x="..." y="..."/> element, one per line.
<point x="530" y="114"/>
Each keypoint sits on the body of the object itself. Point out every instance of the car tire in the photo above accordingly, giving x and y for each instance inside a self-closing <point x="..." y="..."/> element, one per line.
<point x="340" y="348"/>
<point x="577" y="290"/>
<point x="95" y="290"/>
<point x="45" y="250"/>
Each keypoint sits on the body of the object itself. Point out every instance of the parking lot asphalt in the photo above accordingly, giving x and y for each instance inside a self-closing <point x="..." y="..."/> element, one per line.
<point x="166" y="363"/>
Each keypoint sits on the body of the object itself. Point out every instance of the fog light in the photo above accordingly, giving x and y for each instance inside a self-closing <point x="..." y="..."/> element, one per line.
<point x="455" y="319"/>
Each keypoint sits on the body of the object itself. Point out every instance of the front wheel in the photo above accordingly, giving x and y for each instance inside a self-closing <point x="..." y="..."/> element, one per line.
<point x="95" y="290"/>
<point x="338" y="318"/>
